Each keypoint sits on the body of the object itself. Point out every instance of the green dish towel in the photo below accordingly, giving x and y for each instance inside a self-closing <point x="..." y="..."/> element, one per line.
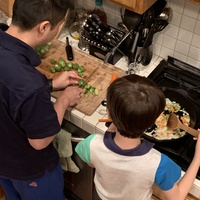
<point x="62" y="142"/>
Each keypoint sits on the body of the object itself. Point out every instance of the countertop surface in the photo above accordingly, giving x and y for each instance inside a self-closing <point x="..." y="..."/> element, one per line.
<point x="91" y="124"/>
<point x="189" y="197"/>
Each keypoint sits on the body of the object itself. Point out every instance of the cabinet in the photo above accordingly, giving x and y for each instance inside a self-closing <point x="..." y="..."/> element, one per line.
<point x="194" y="1"/>
<point x="138" y="6"/>
<point x="78" y="186"/>
<point x="2" y="194"/>
<point x="6" y="6"/>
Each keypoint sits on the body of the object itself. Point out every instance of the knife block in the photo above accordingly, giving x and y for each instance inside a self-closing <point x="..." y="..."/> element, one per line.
<point x="99" y="53"/>
<point x="96" y="51"/>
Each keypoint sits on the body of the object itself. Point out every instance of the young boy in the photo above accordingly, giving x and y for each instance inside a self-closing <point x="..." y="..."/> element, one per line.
<point x="126" y="166"/>
<point x="29" y="164"/>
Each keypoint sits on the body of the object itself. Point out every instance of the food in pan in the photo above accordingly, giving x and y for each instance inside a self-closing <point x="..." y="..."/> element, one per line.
<point x="160" y="131"/>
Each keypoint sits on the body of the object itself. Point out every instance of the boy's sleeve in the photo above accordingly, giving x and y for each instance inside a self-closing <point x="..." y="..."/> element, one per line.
<point x="83" y="148"/>
<point x="168" y="173"/>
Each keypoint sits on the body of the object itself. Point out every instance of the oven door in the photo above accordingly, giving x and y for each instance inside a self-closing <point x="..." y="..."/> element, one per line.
<point x="78" y="186"/>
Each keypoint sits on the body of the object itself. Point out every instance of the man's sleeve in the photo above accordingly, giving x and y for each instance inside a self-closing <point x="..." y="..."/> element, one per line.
<point x="83" y="149"/>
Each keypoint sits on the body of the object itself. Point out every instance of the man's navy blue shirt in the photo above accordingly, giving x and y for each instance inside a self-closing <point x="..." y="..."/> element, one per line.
<point x="26" y="111"/>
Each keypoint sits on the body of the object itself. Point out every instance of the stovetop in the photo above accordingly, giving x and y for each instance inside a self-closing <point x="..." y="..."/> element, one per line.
<point x="185" y="79"/>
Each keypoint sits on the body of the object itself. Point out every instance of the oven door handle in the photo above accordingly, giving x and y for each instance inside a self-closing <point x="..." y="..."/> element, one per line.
<point x="76" y="139"/>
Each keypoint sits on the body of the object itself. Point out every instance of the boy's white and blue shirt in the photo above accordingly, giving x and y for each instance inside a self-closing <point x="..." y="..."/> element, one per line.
<point x="127" y="174"/>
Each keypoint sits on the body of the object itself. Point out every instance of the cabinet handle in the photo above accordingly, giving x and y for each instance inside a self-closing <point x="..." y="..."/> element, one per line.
<point x="76" y="139"/>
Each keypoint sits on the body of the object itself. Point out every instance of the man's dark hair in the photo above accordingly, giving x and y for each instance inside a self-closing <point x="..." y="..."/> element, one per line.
<point x="29" y="13"/>
<point x="134" y="103"/>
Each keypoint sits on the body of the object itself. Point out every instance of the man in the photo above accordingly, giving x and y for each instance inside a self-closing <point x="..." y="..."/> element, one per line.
<point x="29" y="164"/>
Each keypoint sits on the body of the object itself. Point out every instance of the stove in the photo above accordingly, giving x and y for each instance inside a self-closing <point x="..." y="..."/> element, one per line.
<point x="185" y="79"/>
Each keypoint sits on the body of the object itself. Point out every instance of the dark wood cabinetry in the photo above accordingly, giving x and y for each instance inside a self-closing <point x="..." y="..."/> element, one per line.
<point x="138" y="6"/>
<point x="194" y="1"/>
<point x="2" y="194"/>
<point x="79" y="186"/>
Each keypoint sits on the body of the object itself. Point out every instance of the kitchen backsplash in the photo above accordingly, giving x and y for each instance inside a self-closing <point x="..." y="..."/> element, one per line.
<point x="180" y="39"/>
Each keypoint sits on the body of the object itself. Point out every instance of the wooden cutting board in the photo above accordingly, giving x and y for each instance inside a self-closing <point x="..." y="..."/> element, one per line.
<point x="100" y="79"/>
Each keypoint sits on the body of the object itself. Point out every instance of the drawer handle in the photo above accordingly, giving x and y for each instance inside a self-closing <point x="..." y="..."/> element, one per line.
<point x="76" y="139"/>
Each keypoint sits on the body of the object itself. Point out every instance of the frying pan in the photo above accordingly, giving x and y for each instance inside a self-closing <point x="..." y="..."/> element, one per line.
<point x="175" y="95"/>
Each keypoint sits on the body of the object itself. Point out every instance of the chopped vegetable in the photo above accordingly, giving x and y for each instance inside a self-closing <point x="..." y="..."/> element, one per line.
<point x="52" y="61"/>
<point x="75" y="66"/>
<point x="43" y="49"/>
<point x="52" y="70"/>
<point x="92" y="90"/>
<point x="114" y="77"/>
<point x="96" y="91"/>
<point x="62" y="63"/>
<point x="81" y="69"/>
<point x="69" y="64"/>
<point x="86" y="95"/>
<point x="80" y="74"/>
<point x="88" y="86"/>
<point x="81" y="82"/>
<point x="58" y="67"/>
<point x="85" y="90"/>
<point x="66" y="68"/>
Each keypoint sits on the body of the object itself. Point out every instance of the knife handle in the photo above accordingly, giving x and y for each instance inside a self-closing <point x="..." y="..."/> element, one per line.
<point x="69" y="51"/>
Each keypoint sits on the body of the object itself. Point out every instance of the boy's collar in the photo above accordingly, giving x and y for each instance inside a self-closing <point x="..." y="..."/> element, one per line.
<point x="140" y="150"/>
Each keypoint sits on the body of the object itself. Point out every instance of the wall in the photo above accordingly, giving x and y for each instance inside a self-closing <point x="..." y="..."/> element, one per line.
<point x="180" y="39"/>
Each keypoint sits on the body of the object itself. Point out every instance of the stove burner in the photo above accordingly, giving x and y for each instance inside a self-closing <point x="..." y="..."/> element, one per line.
<point x="185" y="79"/>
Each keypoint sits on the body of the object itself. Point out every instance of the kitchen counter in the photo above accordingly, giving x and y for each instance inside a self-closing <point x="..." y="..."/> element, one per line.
<point x="189" y="197"/>
<point x="91" y="124"/>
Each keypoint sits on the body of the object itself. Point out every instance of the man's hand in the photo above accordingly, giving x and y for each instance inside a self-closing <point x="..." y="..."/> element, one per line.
<point x="65" y="79"/>
<point x="68" y="97"/>
<point x="72" y="94"/>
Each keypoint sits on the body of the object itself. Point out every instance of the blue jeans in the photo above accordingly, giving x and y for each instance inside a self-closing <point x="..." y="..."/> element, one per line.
<point x="48" y="187"/>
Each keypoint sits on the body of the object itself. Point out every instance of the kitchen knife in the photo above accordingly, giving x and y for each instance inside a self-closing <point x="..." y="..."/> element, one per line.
<point x="68" y="49"/>
<point x="89" y="78"/>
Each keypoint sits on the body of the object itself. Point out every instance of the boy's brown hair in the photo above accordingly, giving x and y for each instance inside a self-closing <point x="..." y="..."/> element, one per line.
<point x="134" y="103"/>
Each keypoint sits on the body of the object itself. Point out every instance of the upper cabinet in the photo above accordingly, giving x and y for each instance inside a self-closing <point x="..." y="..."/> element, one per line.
<point x="6" y="6"/>
<point x="194" y="1"/>
<point x="137" y="6"/>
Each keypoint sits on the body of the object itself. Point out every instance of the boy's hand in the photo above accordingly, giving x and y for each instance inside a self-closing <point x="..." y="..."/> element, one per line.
<point x="112" y="128"/>
<point x="197" y="148"/>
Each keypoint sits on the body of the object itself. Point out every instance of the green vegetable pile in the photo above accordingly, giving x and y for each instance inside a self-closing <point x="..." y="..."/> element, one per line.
<point x="43" y="49"/>
<point x="62" y="65"/>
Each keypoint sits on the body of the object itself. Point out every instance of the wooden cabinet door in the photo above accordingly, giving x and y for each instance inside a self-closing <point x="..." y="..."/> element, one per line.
<point x="194" y="1"/>
<point x="138" y="6"/>
<point x="2" y="194"/>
